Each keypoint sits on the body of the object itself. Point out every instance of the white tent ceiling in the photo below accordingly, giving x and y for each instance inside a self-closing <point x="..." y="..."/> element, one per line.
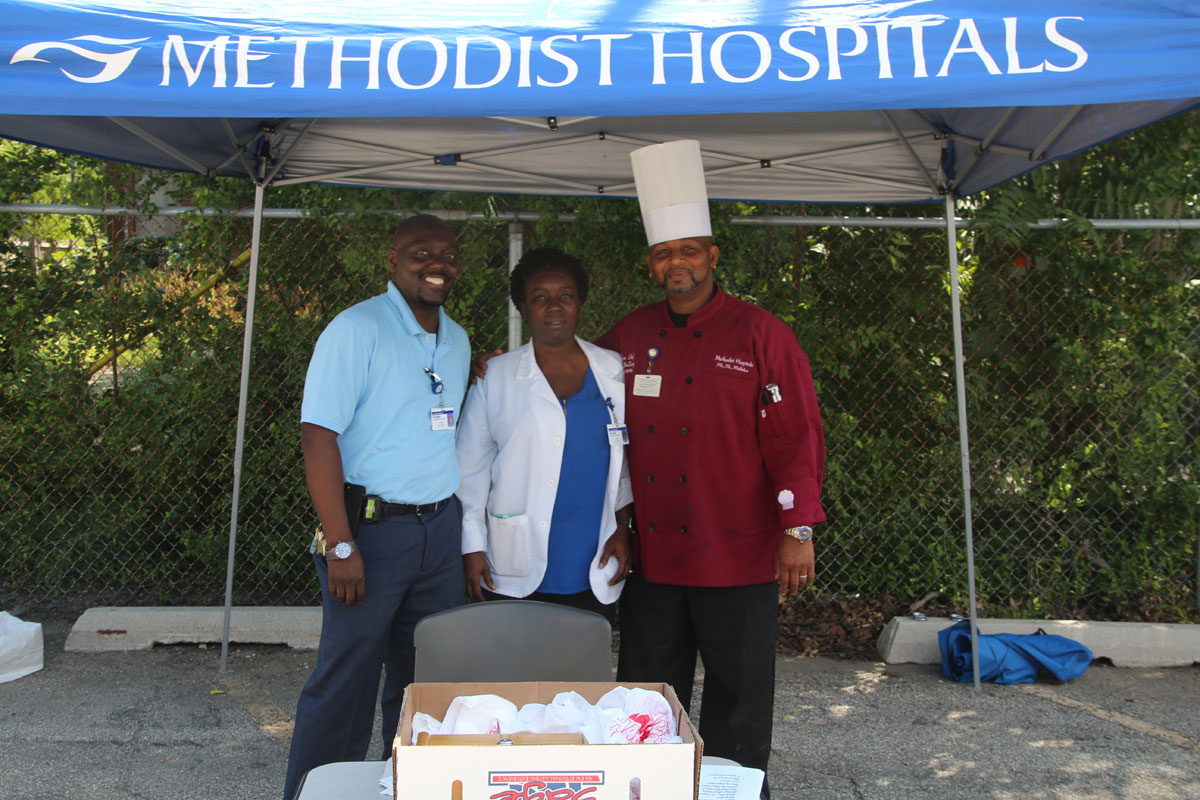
<point x="872" y="156"/>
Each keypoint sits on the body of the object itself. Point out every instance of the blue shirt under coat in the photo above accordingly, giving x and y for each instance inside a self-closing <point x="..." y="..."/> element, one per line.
<point x="580" y="498"/>
<point x="367" y="383"/>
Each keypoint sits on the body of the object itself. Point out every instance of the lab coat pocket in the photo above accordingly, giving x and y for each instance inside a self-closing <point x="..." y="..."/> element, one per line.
<point x="508" y="544"/>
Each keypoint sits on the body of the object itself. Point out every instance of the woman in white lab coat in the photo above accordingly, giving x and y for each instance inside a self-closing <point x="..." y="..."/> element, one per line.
<point x="541" y="455"/>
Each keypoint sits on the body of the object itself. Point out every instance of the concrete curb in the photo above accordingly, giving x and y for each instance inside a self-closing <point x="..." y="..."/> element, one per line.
<point x="107" y="629"/>
<point x="1126" y="644"/>
<point x="903" y="641"/>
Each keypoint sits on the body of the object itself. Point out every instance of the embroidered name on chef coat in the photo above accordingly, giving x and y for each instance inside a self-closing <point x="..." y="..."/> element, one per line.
<point x="734" y="363"/>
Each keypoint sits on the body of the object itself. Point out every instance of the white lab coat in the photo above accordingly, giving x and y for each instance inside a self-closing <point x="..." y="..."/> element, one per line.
<point x="510" y="448"/>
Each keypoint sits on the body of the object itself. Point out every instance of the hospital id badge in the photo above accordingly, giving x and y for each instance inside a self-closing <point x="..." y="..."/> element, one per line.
<point x="647" y="385"/>
<point x="441" y="419"/>
<point x="618" y="435"/>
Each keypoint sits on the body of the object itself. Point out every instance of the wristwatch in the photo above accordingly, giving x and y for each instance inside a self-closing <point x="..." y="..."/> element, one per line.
<point x="801" y="534"/>
<point x="341" y="551"/>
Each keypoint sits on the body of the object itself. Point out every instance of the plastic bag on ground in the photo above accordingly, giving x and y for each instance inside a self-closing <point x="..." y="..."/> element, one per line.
<point x="20" y="647"/>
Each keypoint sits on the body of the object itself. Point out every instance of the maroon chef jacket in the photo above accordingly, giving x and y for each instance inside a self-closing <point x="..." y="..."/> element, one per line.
<point x="709" y="458"/>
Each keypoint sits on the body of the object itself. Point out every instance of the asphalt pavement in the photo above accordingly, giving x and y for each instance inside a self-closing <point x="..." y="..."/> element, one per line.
<point x="164" y="724"/>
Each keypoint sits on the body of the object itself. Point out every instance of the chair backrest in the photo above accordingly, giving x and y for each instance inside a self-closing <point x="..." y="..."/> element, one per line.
<point x="513" y="640"/>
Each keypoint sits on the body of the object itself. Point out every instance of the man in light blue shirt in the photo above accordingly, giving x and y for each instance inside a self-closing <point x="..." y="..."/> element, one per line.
<point x="381" y="399"/>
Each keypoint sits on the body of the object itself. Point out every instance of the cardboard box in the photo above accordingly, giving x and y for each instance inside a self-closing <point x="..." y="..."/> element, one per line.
<point x="540" y="772"/>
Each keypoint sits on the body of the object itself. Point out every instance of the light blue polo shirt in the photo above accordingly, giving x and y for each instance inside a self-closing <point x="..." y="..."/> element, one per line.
<point x="367" y="382"/>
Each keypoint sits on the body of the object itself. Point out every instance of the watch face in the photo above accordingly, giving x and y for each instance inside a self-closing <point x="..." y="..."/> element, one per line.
<point x="342" y="550"/>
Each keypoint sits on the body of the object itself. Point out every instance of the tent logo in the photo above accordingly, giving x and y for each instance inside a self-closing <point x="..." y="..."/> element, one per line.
<point x="115" y="64"/>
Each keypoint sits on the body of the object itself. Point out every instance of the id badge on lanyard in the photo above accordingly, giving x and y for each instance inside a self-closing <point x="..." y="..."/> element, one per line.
<point x="648" y="385"/>
<point x="618" y="434"/>
<point x="442" y="417"/>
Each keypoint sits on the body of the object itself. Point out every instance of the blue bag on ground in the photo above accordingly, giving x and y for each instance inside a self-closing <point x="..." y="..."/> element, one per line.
<point x="1011" y="657"/>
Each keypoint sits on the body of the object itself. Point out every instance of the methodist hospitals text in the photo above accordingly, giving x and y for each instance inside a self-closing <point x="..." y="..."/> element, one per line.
<point x="906" y="48"/>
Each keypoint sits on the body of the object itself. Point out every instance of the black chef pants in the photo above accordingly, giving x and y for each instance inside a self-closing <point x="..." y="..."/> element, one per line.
<point x="733" y="629"/>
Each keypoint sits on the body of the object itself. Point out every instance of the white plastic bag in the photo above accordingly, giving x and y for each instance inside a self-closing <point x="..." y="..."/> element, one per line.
<point x="531" y="718"/>
<point x="480" y="713"/>
<point x="423" y="723"/>
<point x="634" y="716"/>
<point x="568" y="712"/>
<point x="20" y="647"/>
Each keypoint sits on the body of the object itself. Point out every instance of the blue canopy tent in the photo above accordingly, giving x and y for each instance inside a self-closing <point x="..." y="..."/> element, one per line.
<point x="791" y="100"/>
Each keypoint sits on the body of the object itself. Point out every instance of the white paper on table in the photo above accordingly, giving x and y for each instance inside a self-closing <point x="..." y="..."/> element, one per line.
<point x="385" y="780"/>
<point x="720" y="782"/>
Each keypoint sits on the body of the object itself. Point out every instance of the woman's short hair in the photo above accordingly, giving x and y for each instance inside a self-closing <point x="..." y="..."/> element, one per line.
<point x="545" y="259"/>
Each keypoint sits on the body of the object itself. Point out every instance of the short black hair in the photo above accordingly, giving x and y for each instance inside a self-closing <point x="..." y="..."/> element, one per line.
<point x="416" y="221"/>
<point x="545" y="259"/>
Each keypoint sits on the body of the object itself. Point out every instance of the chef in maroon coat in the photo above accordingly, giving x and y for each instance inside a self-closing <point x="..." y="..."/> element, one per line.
<point x="726" y="457"/>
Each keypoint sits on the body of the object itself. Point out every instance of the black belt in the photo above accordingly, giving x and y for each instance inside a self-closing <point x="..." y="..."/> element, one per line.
<point x="413" y="510"/>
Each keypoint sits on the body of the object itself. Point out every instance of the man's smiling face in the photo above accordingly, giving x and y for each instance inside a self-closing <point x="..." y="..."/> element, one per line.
<point x="425" y="263"/>
<point x="683" y="266"/>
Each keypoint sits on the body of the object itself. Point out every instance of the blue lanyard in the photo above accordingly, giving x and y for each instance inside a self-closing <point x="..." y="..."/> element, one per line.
<point x="612" y="410"/>
<point x="437" y="386"/>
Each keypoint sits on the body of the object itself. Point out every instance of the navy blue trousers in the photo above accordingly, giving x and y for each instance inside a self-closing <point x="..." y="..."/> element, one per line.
<point x="413" y="568"/>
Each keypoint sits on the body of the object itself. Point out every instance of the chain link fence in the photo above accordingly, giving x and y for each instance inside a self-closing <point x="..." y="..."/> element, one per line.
<point x="121" y="348"/>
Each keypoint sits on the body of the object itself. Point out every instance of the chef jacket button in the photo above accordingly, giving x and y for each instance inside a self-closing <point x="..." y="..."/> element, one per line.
<point x="650" y="528"/>
<point x="683" y="431"/>
<point x="558" y="440"/>
<point x="543" y="523"/>
<point x="683" y="528"/>
<point x="696" y="334"/>
<point x="683" y="478"/>
<point x="549" y="481"/>
<point x="689" y="378"/>
<point x="650" y="429"/>
<point x="662" y="332"/>
<point x="649" y="479"/>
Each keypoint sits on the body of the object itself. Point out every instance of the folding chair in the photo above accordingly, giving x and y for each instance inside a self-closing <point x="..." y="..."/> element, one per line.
<point x="513" y="640"/>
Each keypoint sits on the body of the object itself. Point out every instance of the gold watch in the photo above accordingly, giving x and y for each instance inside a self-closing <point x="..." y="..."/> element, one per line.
<point x="801" y="534"/>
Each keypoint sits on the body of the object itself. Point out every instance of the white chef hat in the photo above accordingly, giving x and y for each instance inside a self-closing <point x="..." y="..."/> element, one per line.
<point x="671" y="191"/>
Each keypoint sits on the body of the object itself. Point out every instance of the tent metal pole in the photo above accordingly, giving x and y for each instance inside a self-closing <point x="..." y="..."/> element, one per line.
<point x="908" y="148"/>
<point x="281" y="160"/>
<point x="239" y="150"/>
<point x="960" y="383"/>
<point x="1039" y="152"/>
<point x="982" y="148"/>
<point x="161" y="145"/>
<point x="516" y="248"/>
<point x="240" y="441"/>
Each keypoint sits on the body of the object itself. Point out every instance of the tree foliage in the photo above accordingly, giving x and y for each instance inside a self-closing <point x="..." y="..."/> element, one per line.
<point x="1081" y="350"/>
